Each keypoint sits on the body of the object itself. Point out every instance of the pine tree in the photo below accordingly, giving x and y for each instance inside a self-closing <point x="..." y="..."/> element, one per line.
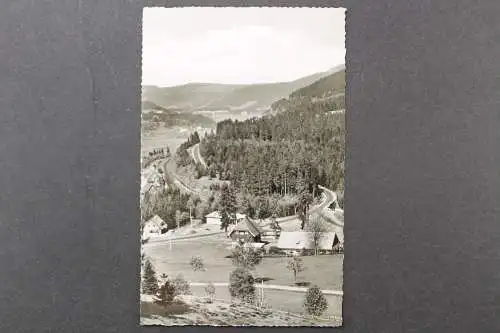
<point x="166" y="293"/>
<point x="315" y="302"/>
<point x="242" y="285"/>
<point x="228" y="206"/>
<point x="149" y="280"/>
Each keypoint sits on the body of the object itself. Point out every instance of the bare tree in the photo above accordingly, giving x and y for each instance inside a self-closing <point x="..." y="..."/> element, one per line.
<point x="296" y="266"/>
<point x="210" y="291"/>
<point x="178" y="218"/>
<point x="316" y="228"/>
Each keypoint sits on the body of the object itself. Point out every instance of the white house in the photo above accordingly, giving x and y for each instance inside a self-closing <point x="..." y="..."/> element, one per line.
<point x="153" y="226"/>
<point x="215" y="218"/>
<point x="303" y="240"/>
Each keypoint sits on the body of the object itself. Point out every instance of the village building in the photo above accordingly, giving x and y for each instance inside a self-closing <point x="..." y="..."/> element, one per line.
<point x="215" y="217"/>
<point x="295" y="241"/>
<point x="270" y="231"/>
<point x="246" y="231"/>
<point x="154" y="226"/>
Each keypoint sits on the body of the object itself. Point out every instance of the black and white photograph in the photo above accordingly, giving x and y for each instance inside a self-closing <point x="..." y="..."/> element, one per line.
<point x="242" y="166"/>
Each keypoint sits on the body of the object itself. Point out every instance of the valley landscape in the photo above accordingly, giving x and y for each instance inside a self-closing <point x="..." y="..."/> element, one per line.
<point x="242" y="189"/>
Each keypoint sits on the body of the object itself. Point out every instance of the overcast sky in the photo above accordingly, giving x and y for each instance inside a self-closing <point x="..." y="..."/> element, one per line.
<point x="239" y="45"/>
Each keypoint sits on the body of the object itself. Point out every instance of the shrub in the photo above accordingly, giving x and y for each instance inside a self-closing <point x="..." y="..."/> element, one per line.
<point x="276" y="251"/>
<point x="197" y="264"/>
<point x="315" y="302"/>
<point x="246" y="257"/>
<point x="242" y="285"/>
<point x="181" y="286"/>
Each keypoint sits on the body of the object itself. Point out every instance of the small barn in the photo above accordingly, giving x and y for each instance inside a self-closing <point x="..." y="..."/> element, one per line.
<point x="270" y="231"/>
<point x="154" y="226"/>
<point x="303" y="240"/>
<point x="247" y="231"/>
<point x="215" y="218"/>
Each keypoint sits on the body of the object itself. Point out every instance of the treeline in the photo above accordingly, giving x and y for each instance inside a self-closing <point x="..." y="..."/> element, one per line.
<point x="227" y="200"/>
<point x="274" y="154"/>
<point x="327" y="102"/>
<point x="173" y="207"/>
<point x="331" y="84"/>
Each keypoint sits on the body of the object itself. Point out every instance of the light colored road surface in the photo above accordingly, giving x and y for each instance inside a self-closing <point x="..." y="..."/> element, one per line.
<point x="195" y="154"/>
<point x="270" y="286"/>
<point x="172" y="177"/>
<point x="333" y="216"/>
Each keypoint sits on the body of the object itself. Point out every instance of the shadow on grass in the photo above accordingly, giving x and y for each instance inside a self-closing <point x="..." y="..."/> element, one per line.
<point x="149" y="309"/>
<point x="303" y="284"/>
<point x="263" y="279"/>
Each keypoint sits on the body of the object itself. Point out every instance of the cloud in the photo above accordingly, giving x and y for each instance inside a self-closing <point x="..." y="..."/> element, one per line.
<point x="232" y="51"/>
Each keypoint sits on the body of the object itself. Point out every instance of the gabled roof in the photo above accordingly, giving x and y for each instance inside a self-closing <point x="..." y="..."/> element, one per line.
<point x="247" y="225"/>
<point x="215" y="214"/>
<point x="156" y="220"/>
<point x="299" y="240"/>
<point x="340" y="234"/>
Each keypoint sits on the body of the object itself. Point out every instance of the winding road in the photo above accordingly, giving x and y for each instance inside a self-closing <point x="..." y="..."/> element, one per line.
<point x="195" y="154"/>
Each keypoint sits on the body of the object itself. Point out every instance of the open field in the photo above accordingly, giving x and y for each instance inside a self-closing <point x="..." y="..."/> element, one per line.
<point x="324" y="271"/>
<point x="163" y="136"/>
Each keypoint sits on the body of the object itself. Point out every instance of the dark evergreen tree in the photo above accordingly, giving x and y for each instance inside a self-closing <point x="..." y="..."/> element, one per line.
<point x="149" y="280"/>
<point x="315" y="302"/>
<point x="228" y="206"/>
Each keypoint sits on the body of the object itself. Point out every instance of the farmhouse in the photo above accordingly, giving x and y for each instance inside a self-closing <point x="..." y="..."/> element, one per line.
<point x="246" y="231"/>
<point x="303" y="240"/>
<point x="215" y="217"/>
<point x="153" y="226"/>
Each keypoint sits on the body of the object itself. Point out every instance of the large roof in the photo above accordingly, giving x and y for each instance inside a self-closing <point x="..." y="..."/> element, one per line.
<point x="304" y="240"/>
<point x="247" y="225"/>
<point x="216" y="214"/>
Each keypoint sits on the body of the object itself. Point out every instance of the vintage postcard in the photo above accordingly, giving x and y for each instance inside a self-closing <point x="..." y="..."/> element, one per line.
<point x="242" y="179"/>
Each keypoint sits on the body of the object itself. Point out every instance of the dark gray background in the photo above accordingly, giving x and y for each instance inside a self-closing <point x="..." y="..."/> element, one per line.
<point x="423" y="183"/>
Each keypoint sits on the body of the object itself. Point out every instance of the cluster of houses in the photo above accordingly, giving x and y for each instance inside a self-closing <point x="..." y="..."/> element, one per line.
<point x="249" y="231"/>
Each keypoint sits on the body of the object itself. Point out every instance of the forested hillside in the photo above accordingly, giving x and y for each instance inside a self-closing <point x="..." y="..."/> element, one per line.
<point x="287" y="154"/>
<point x="328" y="91"/>
<point x="276" y="154"/>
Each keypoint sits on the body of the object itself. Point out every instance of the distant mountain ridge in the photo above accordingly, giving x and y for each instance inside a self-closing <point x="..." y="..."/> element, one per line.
<point x="214" y="96"/>
<point x="154" y="116"/>
<point x="328" y="91"/>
